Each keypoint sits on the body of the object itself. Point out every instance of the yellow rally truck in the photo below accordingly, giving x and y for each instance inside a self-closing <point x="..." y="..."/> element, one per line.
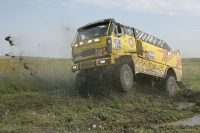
<point x="110" y="53"/>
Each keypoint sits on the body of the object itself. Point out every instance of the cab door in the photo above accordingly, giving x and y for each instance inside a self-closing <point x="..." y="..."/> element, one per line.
<point x="130" y="40"/>
<point x="119" y="39"/>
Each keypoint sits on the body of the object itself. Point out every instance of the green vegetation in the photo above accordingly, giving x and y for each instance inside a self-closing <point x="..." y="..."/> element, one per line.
<point x="38" y="96"/>
<point x="191" y="73"/>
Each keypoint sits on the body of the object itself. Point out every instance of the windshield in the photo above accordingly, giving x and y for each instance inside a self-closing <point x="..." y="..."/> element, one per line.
<point x="91" y="31"/>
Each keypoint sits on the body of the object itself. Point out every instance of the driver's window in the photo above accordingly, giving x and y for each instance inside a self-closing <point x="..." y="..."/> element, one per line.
<point x="83" y="37"/>
<point x="116" y="32"/>
<point x="96" y="32"/>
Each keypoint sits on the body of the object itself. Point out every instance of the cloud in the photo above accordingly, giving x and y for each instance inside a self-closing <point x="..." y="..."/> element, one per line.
<point x="167" y="7"/>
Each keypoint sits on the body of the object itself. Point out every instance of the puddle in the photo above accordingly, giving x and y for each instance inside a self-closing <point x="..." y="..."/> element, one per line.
<point x="182" y="105"/>
<point x="195" y="120"/>
<point x="192" y="121"/>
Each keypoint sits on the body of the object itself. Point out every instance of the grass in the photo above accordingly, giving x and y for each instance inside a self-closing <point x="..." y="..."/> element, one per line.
<point x="35" y="75"/>
<point x="44" y="101"/>
<point x="191" y="73"/>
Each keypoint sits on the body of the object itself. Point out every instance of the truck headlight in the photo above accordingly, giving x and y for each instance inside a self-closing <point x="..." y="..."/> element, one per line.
<point x="74" y="67"/>
<point x="89" y="41"/>
<point x="96" y="40"/>
<point x="102" y="61"/>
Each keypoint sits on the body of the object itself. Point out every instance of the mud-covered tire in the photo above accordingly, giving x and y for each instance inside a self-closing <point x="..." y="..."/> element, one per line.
<point x="170" y="86"/>
<point x="91" y="83"/>
<point x="123" y="77"/>
<point x="80" y="85"/>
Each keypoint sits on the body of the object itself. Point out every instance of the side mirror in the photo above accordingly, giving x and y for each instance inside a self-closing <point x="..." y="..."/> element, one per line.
<point x="139" y="48"/>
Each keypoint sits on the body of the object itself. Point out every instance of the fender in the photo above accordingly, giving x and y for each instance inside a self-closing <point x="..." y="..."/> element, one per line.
<point x="170" y="71"/>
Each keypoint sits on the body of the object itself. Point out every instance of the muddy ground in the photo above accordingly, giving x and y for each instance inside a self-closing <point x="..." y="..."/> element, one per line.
<point x="38" y="96"/>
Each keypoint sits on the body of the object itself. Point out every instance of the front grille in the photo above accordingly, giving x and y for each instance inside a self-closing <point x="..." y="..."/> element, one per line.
<point x="85" y="53"/>
<point x="87" y="64"/>
<point x="88" y="52"/>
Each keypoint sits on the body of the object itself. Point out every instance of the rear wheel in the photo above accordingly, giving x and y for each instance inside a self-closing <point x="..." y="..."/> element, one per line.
<point x="123" y="77"/>
<point x="170" y="86"/>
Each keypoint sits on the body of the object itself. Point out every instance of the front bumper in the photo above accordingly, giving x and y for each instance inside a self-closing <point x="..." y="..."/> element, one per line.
<point x="91" y="64"/>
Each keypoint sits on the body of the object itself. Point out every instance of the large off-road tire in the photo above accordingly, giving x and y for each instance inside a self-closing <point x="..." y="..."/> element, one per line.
<point x="80" y="85"/>
<point x="170" y="86"/>
<point x="91" y="83"/>
<point x="123" y="77"/>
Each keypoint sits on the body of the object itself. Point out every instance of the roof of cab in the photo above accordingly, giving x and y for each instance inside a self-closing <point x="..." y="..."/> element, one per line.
<point x="96" y="22"/>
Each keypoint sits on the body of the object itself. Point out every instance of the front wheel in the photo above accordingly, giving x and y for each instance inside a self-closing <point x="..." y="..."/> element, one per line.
<point x="80" y="85"/>
<point x="123" y="77"/>
<point x="170" y="86"/>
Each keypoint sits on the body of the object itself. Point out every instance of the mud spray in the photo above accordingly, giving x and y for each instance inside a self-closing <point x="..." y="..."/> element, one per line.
<point x="26" y="67"/>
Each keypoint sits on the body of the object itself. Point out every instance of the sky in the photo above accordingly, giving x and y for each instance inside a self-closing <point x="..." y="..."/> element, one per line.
<point x="46" y="28"/>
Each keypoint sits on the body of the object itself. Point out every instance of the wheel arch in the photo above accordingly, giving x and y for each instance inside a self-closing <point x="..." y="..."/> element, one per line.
<point x="128" y="60"/>
<point x="170" y="72"/>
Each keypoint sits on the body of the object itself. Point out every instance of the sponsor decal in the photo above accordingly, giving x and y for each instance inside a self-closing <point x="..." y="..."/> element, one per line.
<point x="158" y="73"/>
<point x="148" y="64"/>
<point x="117" y="44"/>
<point x="151" y="55"/>
<point x="130" y="41"/>
<point x="167" y="54"/>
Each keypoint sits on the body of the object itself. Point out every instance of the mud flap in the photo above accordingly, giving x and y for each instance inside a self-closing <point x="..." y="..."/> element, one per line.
<point x="181" y="85"/>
